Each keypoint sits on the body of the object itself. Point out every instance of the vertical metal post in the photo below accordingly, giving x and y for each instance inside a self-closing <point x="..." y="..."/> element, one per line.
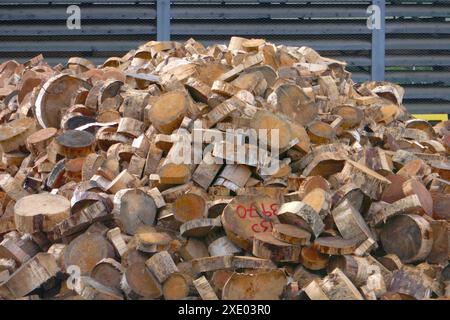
<point x="379" y="40"/>
<point x="163" y="20"/>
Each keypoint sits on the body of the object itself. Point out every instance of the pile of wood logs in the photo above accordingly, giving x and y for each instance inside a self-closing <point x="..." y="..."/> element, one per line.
<point x="94" y="203"/>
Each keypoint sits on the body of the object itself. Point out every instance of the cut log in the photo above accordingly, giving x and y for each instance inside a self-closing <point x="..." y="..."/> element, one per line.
<point x="139" y="283"/>
<point x="336" y="245"/>
<point x="266" y="246"/>
<point x="357" y="269"/>
<point x="199" y="227"/>
<point x="312" y="259"/>
<point x="408" y="205"/>
<point x="416" y="245"/>
<point x="411" y="283"/>
<point x="86" y="251"/>
<point x="74" y="144"/>
<point x="292" y="101"/>
<point x="115" y="236"/>
<point x="291" y="234"/>
<point x="414" y="187"/>
<point x="82" y="219"/>
<point x="190" y="206"/>
<point x="168" y="111"/>
<point x="38" y="141"/>
<point x="132" y="208"/>
<point x="370" y="182"/>
<point x="319" y="200"/>
<point x="14" y="134"/>
<point x="245" y="216"/>
<point x="108" y="272"/>
<point x="259" y="286"/>
<point x="40" y="212"/>
<point x="208" y="264"/>
<point x="178" y="286"/>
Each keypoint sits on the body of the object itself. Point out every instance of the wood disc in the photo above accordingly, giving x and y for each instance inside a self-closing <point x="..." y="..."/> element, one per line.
<point x="168" y="111"/>
<point x="74" y="143"/>
<point x="40" y="212"/>
<point x="413" y="186"/>
<point x="259" y="286"/>
<point x="292" y="101"/>
<point x="291" y="234"/>
<point x="320" y="132"/>
<point x="38" y="141"/>
<point x="132" y="208"/>
<point x="351" y="116"/>
<point x="138" y="282"/>
<point x="177" y="286"/>
<point x="266" y="120"/>
<point x="312" y="259"/>
<point x="241" y="220"/>
<point x="14" y="134"/>
<point x="410" y="237"/>
<point x="336" y="245"/>
<point x="87" y="250"/>
<point x="108" y="272"/>
<point x="190" y="206"/>
<point x="266" y="246"/>
<point x="55" y="97"/>
<point x="311" y="183"/>
<point x="199" y="227"/>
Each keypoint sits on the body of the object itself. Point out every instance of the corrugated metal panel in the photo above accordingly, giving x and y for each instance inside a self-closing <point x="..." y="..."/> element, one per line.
<point x="417" y="33"/>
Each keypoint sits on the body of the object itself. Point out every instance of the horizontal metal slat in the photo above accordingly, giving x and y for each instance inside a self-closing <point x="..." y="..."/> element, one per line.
<point x="418" y="77"/>
<point x="58" y="12"/>
<point x="427" y="107"/>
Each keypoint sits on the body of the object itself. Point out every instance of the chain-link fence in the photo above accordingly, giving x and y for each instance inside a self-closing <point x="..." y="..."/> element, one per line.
<point x="417" y="33"/>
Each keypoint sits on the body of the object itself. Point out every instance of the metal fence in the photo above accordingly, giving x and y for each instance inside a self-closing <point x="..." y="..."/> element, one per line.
<point x="412" y="48"/>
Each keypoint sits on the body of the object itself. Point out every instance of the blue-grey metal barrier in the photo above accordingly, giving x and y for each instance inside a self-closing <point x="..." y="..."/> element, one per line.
<point x="379" y="42"/>
<point x="163" y="20"/>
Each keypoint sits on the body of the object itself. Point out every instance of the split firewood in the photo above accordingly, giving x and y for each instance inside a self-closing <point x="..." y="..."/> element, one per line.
<point x="161" y="265"/>
<point x="208" y="264"/>
<point x="204" y="289"/>
<point x="370" y="182"/>
<point x="337" y="286"/>
<point x="301" y="215"/>
<point x="350" y="223"/>
<point x="32" y="275"/>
